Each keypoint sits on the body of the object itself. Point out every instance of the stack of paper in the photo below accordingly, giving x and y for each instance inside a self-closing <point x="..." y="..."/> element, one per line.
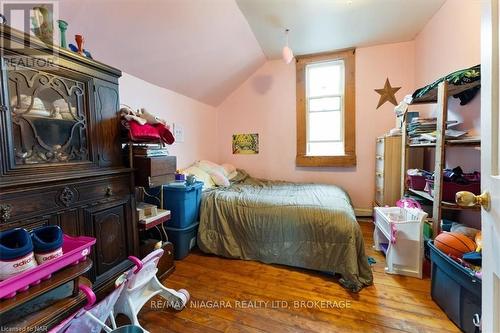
<point x="423" y="130"/>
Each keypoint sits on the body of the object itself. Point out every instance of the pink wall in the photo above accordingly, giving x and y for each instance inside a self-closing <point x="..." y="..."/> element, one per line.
<point x="201" y="49"/>
<point x="197" y="119"/>
<point x="265" y="104"/>
<point x="451" y="41"/>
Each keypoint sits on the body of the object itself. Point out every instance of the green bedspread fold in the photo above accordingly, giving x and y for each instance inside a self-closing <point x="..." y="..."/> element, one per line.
<point x="303" y="225"/>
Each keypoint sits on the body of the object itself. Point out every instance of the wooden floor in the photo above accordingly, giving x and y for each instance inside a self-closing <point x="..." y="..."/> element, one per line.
<point x="240" y="289"/>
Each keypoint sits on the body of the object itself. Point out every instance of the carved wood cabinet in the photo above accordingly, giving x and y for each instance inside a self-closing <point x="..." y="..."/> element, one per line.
<point x="60" y="154"/>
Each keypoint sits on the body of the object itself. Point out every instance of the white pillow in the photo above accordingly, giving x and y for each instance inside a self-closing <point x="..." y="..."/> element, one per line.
<point x="219" y="179"/>
<point x="230" y="170"/>
<point x="200" y="175"/>
<point x="209" y="167"/>
<point x="217" y="172"/>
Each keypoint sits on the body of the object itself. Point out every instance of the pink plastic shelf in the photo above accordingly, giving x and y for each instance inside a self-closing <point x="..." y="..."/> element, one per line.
<point x="75" y="249"/>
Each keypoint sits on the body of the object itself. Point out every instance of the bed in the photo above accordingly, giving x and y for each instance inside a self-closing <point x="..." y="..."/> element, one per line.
<point x="302" y="225"/>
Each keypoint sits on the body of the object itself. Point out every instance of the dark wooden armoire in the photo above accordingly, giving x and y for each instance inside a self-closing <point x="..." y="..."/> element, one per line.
<point x="60" y="151"/>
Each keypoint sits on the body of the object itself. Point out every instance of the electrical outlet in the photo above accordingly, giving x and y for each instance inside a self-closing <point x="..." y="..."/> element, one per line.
<point x="178" y="133"/>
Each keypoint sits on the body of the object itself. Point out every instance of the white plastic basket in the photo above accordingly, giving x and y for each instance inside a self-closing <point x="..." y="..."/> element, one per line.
<point x="399" y="234"/>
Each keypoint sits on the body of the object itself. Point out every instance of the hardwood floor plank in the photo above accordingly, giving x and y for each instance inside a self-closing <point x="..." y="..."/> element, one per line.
<point x="155" y="321"/>
<point x="428" y="309"/>
<point x="199" y="316"/>
<point x="315" y="282"/>
<point x="393" y="304"/>
<point x="291" y="319"/>
<point x="254" y="289"/>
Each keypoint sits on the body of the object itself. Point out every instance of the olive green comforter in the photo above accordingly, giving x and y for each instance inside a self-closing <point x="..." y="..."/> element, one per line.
<point x="303" y="225"/>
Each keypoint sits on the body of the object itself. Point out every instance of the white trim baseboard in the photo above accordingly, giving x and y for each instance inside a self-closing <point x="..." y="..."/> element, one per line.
<point x="363" y="212"/>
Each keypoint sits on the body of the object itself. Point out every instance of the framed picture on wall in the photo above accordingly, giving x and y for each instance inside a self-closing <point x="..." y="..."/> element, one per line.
<point x="247" y="144"/>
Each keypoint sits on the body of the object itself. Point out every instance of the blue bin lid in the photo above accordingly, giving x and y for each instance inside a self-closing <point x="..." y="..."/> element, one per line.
<point x="196" y="185"/>
<point x="188" y="228"/>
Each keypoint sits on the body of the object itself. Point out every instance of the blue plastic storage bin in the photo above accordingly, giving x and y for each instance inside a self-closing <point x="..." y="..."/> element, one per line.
<point x="182" y="202"/>
<point x="455" y="289"/>
<point x="184" y="239"/>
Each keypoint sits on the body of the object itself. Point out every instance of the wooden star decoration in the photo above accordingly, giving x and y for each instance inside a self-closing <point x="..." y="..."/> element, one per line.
<point x="387" y="94"/>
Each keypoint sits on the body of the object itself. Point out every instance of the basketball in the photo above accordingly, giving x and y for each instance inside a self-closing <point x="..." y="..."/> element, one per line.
<point x="454" y="243"/>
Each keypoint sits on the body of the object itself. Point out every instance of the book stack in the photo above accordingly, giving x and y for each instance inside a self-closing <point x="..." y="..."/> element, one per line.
<point x="423" y="130"/>
<point x="149" y="151"/>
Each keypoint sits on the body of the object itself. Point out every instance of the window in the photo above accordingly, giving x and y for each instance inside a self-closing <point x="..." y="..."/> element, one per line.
<point x="325" y="110"/>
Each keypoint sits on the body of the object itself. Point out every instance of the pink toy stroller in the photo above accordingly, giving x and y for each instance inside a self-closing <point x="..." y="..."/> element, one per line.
<point x="133" y="289"/>
<point x="143" y="284"/>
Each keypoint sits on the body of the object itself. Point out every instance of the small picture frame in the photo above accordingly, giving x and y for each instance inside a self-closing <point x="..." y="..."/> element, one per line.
<point x="246" y="144"/>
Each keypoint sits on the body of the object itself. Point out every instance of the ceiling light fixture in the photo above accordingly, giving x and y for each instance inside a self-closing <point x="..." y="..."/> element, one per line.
<point x="287" y="52"/>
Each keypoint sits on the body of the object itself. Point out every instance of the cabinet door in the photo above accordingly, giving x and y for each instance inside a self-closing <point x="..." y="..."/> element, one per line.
<point x="70" y="222"/>
<point x="46" y="120"/>
<point x="108" y="122"/>
<point x="109" y="224"/>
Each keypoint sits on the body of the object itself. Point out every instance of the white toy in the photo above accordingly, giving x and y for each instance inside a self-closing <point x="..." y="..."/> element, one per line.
<point x="399" y="234"/>
<point x="93" y="317"/>
<point x="133" y="289"/>
<point x="142" y="284"/>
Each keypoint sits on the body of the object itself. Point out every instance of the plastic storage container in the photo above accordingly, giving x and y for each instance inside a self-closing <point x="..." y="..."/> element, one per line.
<point x="416" y="182"/>
<point x="183" y="202"/>
<point x="455" y="289"/>
<point x="450" y="189"/>
<point x="427" y="230"/>
<point x="184" y="239"/>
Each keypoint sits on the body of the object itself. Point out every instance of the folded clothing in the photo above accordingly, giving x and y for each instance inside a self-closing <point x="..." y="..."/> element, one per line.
<point x="148" y="132"/>
<point x="418" y="172"/>
<point x="457" y="175"/>
<point x="475" y="258"/>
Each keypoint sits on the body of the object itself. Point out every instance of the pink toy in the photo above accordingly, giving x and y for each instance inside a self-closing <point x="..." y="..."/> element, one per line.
<point x="92" y="318"/>
<point x="408" y="203"/>
<point x="75" y="249"/>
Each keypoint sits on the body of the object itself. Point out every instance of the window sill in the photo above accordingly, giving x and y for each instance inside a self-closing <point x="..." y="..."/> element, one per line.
<point x="325" y="161"/>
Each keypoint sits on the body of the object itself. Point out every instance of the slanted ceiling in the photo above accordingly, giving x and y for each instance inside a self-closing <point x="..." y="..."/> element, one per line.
<point x="205" y="49"/>
<point x="326" y="25"/>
